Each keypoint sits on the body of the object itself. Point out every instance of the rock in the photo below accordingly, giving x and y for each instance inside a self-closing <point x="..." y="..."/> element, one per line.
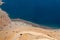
<point x="4" y="19"/>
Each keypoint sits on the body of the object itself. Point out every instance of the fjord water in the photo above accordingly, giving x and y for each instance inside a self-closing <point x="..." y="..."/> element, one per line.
<point x="43" y="12"/>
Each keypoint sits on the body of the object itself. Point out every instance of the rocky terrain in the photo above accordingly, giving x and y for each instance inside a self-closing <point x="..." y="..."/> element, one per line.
<point x="4" y="19"/>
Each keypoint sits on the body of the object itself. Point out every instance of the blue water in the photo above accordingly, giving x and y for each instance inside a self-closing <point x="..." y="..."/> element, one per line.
<point x="43" y="12"/>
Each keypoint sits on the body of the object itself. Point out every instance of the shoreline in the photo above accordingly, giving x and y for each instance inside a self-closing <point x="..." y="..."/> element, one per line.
<point x="33" y="24"/>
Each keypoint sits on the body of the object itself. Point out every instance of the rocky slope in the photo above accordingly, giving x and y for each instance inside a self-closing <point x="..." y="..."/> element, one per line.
<point x="4" y="19"/>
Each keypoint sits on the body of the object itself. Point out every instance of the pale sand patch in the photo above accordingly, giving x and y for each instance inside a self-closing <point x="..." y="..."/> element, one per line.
<point x="44" y="32"/>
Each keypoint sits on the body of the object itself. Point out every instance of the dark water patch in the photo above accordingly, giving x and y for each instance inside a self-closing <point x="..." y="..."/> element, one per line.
<point x="45" y="12"/>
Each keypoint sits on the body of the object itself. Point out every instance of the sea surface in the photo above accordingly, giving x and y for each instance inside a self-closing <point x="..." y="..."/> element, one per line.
<point x="42" y="12"/>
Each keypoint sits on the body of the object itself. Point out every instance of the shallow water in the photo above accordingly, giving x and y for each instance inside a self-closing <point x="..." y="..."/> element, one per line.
<point x="43" y="12"/>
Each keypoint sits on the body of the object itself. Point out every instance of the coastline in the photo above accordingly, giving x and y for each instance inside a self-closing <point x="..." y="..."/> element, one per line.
<point x="33" y="24"/>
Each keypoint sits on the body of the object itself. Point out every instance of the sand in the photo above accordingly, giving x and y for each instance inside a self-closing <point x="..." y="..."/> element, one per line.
<point x="52" y="34"/>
